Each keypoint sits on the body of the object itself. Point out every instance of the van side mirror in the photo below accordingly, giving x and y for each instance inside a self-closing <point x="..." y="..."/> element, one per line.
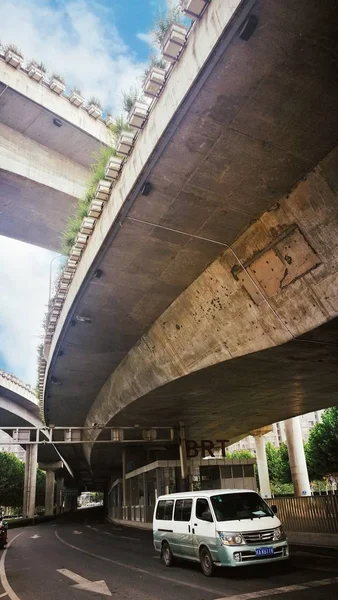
<point x="274" y="508"/>
<point x="207" y="516"/>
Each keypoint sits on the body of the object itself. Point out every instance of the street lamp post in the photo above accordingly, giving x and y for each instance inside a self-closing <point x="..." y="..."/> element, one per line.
<point x="50" y="277"/>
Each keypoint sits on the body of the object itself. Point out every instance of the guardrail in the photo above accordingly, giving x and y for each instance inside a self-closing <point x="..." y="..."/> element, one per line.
<point x="313" y="514"/>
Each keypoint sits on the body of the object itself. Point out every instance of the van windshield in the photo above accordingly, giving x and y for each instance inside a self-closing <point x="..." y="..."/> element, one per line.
<point x="234" y="507"/>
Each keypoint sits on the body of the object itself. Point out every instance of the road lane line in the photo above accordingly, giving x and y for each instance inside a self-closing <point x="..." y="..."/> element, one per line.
<point x="116" y="537"/>
<point x="3" y="595"/>
<point x="286" y="589"/>
<point x="3" y="577"/>
<point x="138" y="570"/>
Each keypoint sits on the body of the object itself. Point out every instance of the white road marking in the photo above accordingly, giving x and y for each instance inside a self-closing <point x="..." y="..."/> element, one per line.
<point x="137" y="569"/>
<point x="119" y="537"/>
<point x="3" y="595"/>
<point x="287" y="589"/>
<point x="97" y="587"/>
<point x="76" y="532"/>
<point x="35" y="536"/>
<point x="3" y="577"/>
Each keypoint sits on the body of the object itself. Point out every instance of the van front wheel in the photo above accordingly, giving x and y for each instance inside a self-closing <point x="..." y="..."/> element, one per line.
<point x="207" y="564"/>
<point x="167" y="555"/>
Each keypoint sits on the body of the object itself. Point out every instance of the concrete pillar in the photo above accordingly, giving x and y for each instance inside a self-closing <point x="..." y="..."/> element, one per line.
<point x="68" y="503"/>
<point x="59" y="494"/>
<point x="50" y="469"/>
<point x="262" y="466"/>
<point x="30" y="481"/>
<point x="49" y="492"/>
<point x="299" y="473"/>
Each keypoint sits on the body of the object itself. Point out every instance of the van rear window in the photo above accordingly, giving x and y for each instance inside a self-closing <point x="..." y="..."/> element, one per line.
<point x="183" y="510"/>
<point x="164" y="511"/>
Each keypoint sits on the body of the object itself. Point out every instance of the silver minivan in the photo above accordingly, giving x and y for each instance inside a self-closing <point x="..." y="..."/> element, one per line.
<point x="228" y="528"/>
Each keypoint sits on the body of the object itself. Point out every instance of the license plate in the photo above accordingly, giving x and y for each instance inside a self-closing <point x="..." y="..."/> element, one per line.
<point x="267" y="551"/>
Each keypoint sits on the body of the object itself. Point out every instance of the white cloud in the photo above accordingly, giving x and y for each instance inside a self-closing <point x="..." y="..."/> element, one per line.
<point x="77" y="39"/>
<point x="24" y="276"/>
<point x="145" y="37"/>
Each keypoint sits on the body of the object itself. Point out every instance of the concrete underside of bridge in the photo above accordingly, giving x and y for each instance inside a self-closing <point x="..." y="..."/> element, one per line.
<point x="43" y="167"/>
<point x="174" y="315"/>
<point x="16" y="410"/>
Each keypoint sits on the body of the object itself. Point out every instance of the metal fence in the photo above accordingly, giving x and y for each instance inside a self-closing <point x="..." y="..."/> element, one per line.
<point x="313" y="514"/>
<point x="137" y="513"/>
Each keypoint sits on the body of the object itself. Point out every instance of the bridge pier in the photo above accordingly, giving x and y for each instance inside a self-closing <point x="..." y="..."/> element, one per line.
<point x="59" y="494"/>
<point x="299" y="472"/>
<point x="50" y="469"/>
<point x="262" y="463"/>
<point x="29" y="493"/>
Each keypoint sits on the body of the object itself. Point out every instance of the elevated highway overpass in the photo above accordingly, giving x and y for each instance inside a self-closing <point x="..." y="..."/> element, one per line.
<point x="19" y="417"/>
<point x="47" y="146"/>
<point x="213" y="300"/>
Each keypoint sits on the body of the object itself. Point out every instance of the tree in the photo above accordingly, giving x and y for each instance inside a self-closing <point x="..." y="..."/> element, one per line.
<point x="12" y="473"/>
<point x="274" y="462"/>
<point x="285" y="471"/>
<point x="322" y="447"/>
<point x="12" y="476"/>
<point x="240" y="454"/>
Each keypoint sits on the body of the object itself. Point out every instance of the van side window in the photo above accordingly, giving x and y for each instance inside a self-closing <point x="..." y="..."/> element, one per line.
<point x="164" y="511"/>
<point x="203" y="511"/>
<point x="183" y="510"/>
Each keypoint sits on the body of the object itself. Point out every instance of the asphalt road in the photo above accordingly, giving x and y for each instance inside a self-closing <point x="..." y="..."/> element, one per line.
<point x="104" y="560"/>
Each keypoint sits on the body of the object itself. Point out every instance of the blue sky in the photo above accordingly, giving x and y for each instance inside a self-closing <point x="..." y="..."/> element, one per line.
<point x="100" y="46"/>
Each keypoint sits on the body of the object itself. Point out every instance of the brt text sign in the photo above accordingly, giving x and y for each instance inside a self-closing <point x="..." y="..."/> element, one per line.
<point x="204" y="448"/>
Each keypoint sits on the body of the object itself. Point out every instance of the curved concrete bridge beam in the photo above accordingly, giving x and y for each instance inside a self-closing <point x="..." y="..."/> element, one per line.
<point x="288" y="287"/>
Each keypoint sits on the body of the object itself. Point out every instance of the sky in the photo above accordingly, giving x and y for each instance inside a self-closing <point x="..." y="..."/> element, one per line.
<point x="101" y="47"/>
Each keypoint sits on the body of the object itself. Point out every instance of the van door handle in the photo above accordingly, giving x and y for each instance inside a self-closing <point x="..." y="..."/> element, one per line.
<point x="195" y="524"/>
<point x="188" y="528"/>
<point x="193" y="530"/>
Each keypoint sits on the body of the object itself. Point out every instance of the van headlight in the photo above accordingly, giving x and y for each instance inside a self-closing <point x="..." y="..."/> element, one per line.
<point x="230" y="539"/>
<point x="279" y="534"/>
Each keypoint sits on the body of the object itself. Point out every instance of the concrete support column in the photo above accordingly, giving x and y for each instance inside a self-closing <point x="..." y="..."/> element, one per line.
<point x="50" y="469"/>
<point x="49" y="492"/>
<point x="68" y="504"/>
<point x="262" y="466"/>
<point x="30" y="481"/>
<point x="124" y="481"/>
<point x="59" y="494"/>
<point x="299" y="473"/>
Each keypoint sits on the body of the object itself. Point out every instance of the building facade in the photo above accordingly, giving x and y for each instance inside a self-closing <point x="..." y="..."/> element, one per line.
<point x="277" y="435"/>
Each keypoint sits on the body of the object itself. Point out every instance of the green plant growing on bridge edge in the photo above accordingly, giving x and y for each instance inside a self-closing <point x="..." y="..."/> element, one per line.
<point x="97" y="172"/>
<point x="163" y="22"/>
<point x="37" y="65"/>
<point x="58" y="77"/>
<point x="15" y="49"/>
<point x="119" y="126"/>
<point x="95" y="101"/>
<point x="129" y="99"/>
<point x="39" y="362"/>
<point x="155" y="61"/>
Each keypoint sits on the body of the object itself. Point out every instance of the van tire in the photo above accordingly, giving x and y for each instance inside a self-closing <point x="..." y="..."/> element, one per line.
<point x="167" y="555"/>
<point x="206" y="561"/>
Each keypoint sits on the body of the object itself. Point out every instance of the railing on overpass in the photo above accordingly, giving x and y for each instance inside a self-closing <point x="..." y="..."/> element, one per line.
<point x="313" y="514"/>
